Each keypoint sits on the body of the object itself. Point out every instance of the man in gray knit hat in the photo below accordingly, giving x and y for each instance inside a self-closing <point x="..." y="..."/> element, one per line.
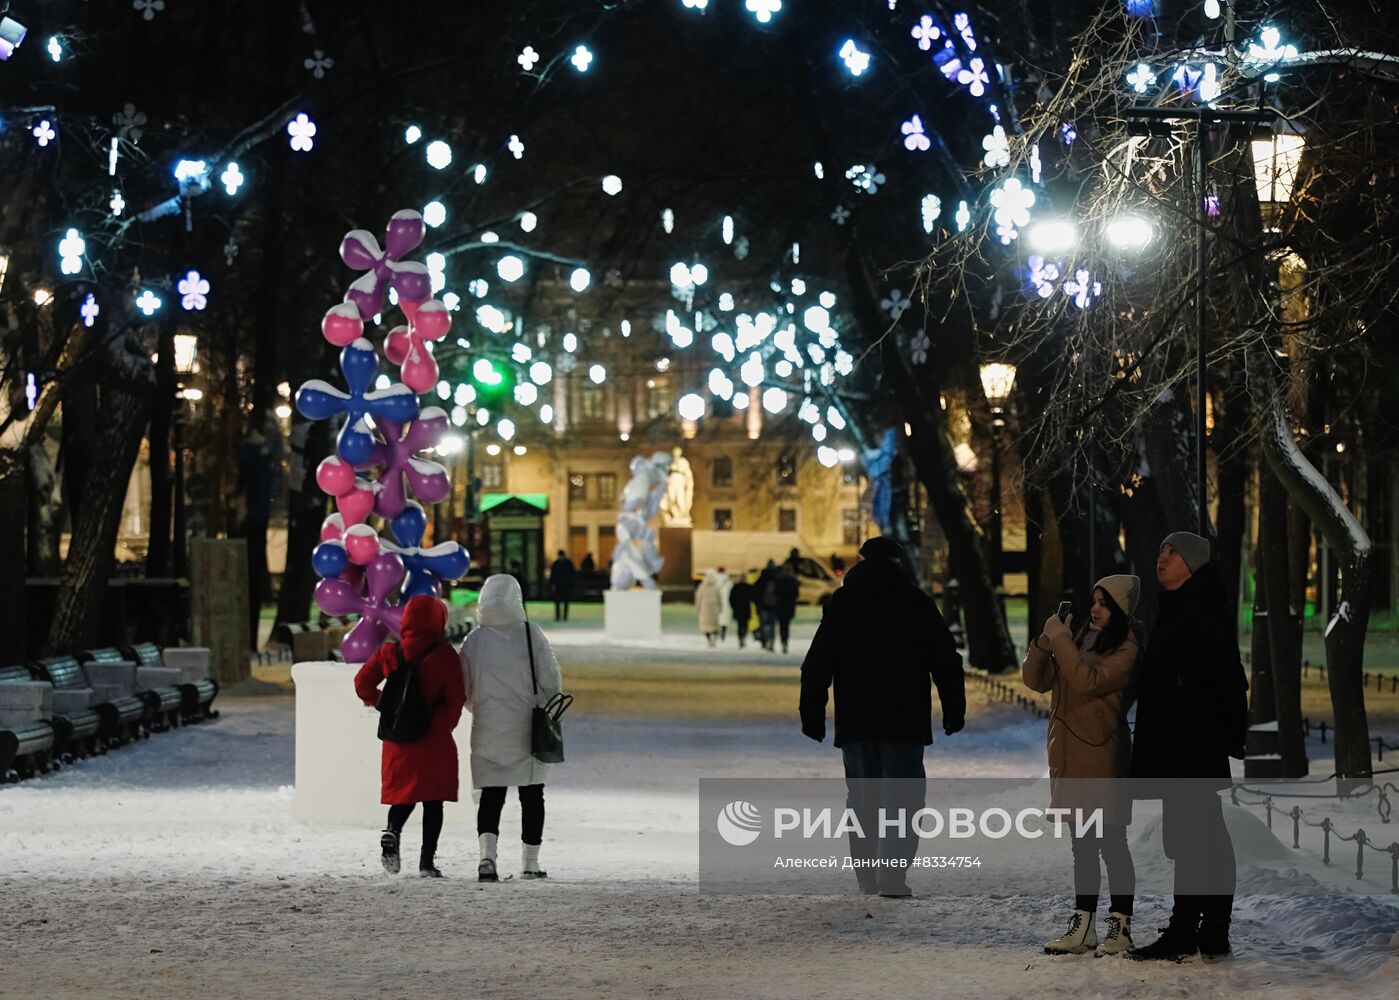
<point x="1192" y="716"/>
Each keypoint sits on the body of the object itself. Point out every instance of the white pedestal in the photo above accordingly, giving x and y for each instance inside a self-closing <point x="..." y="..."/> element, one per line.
<point x="632" y="614"/>
<point x="338" y="751"/>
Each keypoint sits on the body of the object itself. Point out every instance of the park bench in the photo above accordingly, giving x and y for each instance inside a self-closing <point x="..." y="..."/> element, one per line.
<point x="123" y="719"/>
<point x="28" y="750"/>
<point x="156" y="685"/>
<point x="196" y="689"/>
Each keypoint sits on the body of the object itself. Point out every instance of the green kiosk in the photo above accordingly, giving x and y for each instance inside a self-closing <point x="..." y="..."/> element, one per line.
<point x="514" y="534"/>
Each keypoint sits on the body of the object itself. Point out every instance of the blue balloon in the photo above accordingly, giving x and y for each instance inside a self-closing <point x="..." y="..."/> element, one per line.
<point x="355" y="444"/>
<point x="408" y="528"/>
<point x="421" y="583"/>
<point x="330" y="559"/>
<point x="360" y="364"/>
<point x="318" y="400"/>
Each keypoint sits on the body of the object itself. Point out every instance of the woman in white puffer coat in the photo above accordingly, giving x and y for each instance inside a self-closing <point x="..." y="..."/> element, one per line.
<point x="495" y="661"/>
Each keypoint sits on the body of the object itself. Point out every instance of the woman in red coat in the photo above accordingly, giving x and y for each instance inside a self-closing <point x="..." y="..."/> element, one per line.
<point x="424" y="771"/>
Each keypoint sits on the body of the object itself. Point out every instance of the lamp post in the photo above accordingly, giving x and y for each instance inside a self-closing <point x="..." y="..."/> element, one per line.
<point x="997" y="380"/>
<point x="186" y="364"/>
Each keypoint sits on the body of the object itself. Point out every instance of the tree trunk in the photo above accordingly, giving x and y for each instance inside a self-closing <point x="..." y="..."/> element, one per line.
<point x="1282" y="623"/>
<point x="44" y="512"/>
<point x="162" y="408"/>
<point x="1345" y="633"/>
<point x="1231" y="473"/>
<point x="107" y="404"/>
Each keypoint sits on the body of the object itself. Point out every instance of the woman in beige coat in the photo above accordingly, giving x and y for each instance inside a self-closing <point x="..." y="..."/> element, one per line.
<point x="1092" y="683"/>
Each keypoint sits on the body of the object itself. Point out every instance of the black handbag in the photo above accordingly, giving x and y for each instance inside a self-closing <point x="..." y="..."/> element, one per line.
<point x="546" y="735"/>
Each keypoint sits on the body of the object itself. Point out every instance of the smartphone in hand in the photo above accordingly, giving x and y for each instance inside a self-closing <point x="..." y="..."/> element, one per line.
<point x="1064" y="608"/>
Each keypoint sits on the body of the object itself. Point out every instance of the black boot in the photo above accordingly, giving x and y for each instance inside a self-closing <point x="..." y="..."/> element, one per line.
<point x="1214" y="926"/>
<point x="388" y="842"/>
<point x="1178" y="941"/>
<point x="426" y="868"/>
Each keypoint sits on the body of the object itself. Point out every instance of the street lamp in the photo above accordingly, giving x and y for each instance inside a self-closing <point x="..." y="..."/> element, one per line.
<point x="997" y="380"/>
<point x="186" y="364"/>
<point x="1129" y="232"/>
<point x="1051" y="236"/>
<point x="1276" y="156"/>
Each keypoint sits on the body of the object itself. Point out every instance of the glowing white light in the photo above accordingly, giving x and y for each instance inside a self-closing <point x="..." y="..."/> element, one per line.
<point x="526" y="393"/>
<point x="597" y="374"/>
<point x="42" y="297"/>
<point x="835" y="418"/>
<point x="521" y="353"/>
<point x="626" y="328"/>
<point x="856" y="62"/>
<point x="192" y="173"/>
<point x="232" y="178"/>
<point x="1129" y="232"/>
<point x="527" y="58"/>
<point x="751" y="372"/>
<point x="726" y="302"/>
<point x="458" y="416"/>
<point x="723" y="346"/>
<point x="528" y="220"/>
<point x="1141" y="78"/>
<point x="491" y="318"/>
<point x="55" y="48"/>
<point x="763" y="9"/>
<point x="996" y="147"/>
<point x="570" y="342"/>
<point x="483" y="417"/>
<point x="740" y="401"/>
<point x="194" y="292"/>
<point x="1052" y="236"/>
<point x="439" y="155"/>
<point x="580" y="279"/>
<point x="301" y="131"/>
<point x="783" y="368"/>
<point x="478" y="173"/>
<point x="493" y="449"/>
<point x="963" y="216"/>
<point x="774" y="399"/>
<point x="44" y="133"/>
<point x="89" y="310"/>
<point x="434" y="213"/>
<point x="546" y="414"/>
<point x="1212" y="9"/>
<point x="827" y="456"/>
<point x="506" y="429"/>
<point x="70" y="252"/>
<point x="510" y="268"/>
<point x="412" y="134"/>
<point x="668" y="220"/>
<point x="612" y="185"/>
<point x="540" y="372"/>
<point x="452" y="301"/>
<point x="117" y="204"/>
<point x="444" y="390"/>
<point x="720" y="384"/>
<point x="148" y="301"/>
<point x="690" y="406"/>
<point x="728" y="229"/>
<point x="581" y="59"/>
<point x="519" y="449"/>
<point x="516" y="146"/>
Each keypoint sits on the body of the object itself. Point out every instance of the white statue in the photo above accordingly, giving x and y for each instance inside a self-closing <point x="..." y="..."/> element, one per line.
<point x="636" y="560"/>
<point x="680" y="492"/>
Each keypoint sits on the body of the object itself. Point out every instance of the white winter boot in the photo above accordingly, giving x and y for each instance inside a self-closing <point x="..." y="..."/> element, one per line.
<point x="1118" y="937"/>
<point x="1080" y="937"/>
<point x="485" y="871"/>
<point x="529" y="866"/>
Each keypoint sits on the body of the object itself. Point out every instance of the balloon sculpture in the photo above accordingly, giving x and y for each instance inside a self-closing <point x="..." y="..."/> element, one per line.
<point x="376" y="468"/>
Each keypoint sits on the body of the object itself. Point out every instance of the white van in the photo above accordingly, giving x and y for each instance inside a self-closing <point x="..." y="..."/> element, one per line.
<point x="740" y="551"/>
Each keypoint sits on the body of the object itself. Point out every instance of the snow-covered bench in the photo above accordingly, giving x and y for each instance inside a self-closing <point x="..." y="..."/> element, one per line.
<point x="187" y="668"/>
<point x="121" y="719"/>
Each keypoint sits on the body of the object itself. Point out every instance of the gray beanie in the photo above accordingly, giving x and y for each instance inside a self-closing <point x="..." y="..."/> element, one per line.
<point x="1193" y="550"/>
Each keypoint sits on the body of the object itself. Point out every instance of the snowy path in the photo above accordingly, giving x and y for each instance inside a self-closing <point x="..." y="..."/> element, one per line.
<point x="170" y="869"/>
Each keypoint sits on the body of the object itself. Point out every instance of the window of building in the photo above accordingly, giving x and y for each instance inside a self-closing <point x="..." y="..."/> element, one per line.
<point x="850" y="525"/>
<point x="786" y="519"/>
<point x="606" y="487"/>
<point x="492" y="476"/>
<point x="577" y="487"/>
<point x="786" y="470"/>
<point x="722" y="472"/>
<point x="592" y="402"/>
<point x="723" y="519"/>
<point x="657" y="396"/>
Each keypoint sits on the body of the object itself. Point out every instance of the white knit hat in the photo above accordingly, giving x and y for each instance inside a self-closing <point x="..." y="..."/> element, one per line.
<point x="1124" y="589"/>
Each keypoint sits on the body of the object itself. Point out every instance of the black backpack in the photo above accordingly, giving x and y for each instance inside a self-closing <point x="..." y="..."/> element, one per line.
<point x="404" y="716"/>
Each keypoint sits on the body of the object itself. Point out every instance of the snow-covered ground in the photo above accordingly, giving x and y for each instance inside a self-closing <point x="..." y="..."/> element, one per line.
<point x="171" y="869"/>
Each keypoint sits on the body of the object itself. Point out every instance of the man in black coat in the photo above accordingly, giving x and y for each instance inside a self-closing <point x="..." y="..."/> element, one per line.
<point x="1192" y="716"/>
<point x="880" y="641"/>
<point x="786" y="589"/>
<point x="741" y="603"/>
<point x="561" y="580"/>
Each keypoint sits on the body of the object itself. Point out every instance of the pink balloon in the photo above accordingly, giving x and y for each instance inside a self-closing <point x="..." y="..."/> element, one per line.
<point x="362" y="544"/>
<point x="397" y="344"/>
<point x="334" y="476"/>
<point x="355" y="505"/>
<point x="333" y="528"/>
<point x="419" y="371"/>
<point x="342" y="325"/>
<point x="433" y="321"/>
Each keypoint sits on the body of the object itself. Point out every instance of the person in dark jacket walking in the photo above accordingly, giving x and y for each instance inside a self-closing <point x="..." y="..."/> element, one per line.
<point x="880" y="641"/>
<point x="765" y="597"/>
<point x="741" y="603"/>
<point x="1192" y="716"/>
<point x="562" y="578"/>
<point x="426" y="770"/>
<point x="785" y="590"/>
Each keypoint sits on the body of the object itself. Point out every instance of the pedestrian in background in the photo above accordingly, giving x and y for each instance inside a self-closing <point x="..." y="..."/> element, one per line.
<point x="562" y="578"/>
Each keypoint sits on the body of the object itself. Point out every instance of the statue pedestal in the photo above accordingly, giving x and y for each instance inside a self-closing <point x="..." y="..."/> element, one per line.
<point x="676" y="575"/>
<point x="337" y="752"/>
<point x="632" y="614"/>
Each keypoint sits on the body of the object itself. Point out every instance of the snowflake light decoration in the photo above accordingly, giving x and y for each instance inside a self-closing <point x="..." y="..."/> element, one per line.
<point x="1036" y="168"/>
<point x="55" y="48"/>
<point x="668" y="220"/>
<point x="1209" y="84"/>
<point x="148" y="8"/>
<point x="1186" y="77"/>
<point x="612" y="185"/>
<point x="230" y="250"/>
<point x="89" y="310"/>
<point x="301" y="131"/>
<point x="516" y="147"/>
<point x="118" y="203"/>
<point x="963" y="24"/>
<point x="1141" y="78"/>
<point x="963" y="217"/>
<point x="931" y="208"/>
<point x="894" y="304"/>
<point x="148" y="302"/>
<point x="695" y="4"/>
<point x="44" y="132"/>
<point x="130" y="123"/>
<point x="70" y="252"/>
<point x="856" y="61"/>
<point x="194" y="292"/>
<point x="915" y="138"/>
<point x="918" y="348"/>
<point x="1082" y="289"/>
<point x="1042" y="275"/>
<point x="1270" y="53"/>
<point x="763" y="9"/>
<point x="1067" y="133"/>
<point x="527" y="58"/>
<point x="318" y="62"/>
<point x="926" y="32"/>
<point x="865" y="177"/>
<point x="840" y="215"/>
<point x="997" y="148"/>
<point x="232" y="178"/>
<point x="1011" y="203"/>
<point x="581" y="59"/>
<point x="974" y="77"/>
